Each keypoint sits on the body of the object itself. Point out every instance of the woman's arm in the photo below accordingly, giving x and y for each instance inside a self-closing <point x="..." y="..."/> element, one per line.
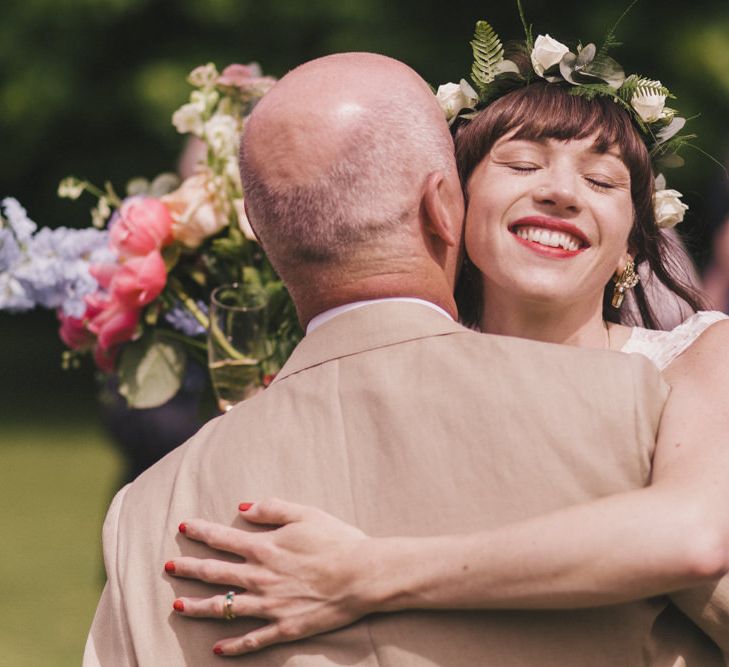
<point x="316" y="573"/>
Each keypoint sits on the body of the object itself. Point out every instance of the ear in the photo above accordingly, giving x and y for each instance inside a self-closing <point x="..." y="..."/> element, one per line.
<point x="443" y="209"/>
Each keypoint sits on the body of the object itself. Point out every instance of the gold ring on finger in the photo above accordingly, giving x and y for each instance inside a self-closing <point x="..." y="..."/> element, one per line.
<point x="228" y="613"/>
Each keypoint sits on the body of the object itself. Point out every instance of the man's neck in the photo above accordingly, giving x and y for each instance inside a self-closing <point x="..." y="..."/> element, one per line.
<point x="324" y="295"/>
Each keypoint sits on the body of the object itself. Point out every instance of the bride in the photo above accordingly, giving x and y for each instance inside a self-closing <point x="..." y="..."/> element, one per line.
<point x="560" y="192"/>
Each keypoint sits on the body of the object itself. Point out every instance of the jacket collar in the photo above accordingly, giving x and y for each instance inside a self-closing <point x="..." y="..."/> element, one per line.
<point x="367" y="328"/>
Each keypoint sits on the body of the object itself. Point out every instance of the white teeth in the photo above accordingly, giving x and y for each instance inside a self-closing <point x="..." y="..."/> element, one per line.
<point x="553" y="239"/>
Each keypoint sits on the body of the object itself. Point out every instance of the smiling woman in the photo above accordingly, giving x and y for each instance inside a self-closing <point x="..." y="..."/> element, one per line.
<point x="560" y="199"/>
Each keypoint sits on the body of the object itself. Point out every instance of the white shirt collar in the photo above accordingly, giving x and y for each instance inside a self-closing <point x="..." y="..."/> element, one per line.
<point x="327" y="315"/>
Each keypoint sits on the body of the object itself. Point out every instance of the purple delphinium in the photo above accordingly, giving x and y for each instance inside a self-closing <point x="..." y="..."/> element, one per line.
<point x="49" y="268"/>
<point x="182" y="319"/>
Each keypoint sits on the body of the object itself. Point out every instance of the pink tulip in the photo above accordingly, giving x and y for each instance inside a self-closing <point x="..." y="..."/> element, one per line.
<point x="73" y="332"/>
<point x="115" y="323"/>
<point x="104" y="274"/>
<point x="139" y="280"/>
<point x="143" y="224"/>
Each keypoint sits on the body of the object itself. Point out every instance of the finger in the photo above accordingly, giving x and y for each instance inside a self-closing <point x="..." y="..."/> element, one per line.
<point x="268" y="635"/>
<point x="275" y="512"/>
<point x="217" y="536"/>
<point x="211" y="571"/>
<point x="244" y="604"/>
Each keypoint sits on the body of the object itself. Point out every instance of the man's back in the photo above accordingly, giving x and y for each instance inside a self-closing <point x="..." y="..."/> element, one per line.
<point x="401" y="422"/>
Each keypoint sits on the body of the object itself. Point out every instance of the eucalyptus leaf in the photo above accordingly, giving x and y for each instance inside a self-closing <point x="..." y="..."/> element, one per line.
<point x="567" y="67"/>
<point x="670" y="161"/>
<point x="607" y="69"/>
<point x="672" y="129"/>
<point x="505" y="66"/>
<point x="585" y="56"/>
<point x="163" y="184"/>
<point x="137" y="186"/>
<point x="150" y="371"/>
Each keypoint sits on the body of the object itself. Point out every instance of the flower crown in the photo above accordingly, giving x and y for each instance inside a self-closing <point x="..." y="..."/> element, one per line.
<point x="589" y="72"/>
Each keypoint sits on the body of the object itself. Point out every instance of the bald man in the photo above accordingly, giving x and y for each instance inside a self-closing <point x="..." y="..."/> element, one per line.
<point x="388" y="414"/>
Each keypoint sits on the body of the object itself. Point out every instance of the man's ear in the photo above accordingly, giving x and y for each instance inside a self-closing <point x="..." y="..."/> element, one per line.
<point x="443" y="209"/>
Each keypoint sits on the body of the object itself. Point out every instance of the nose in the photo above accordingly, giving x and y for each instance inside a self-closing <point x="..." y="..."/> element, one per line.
<point x="558" y="192"/>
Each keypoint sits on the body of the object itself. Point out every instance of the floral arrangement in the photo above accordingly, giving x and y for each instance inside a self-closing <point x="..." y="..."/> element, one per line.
<point x="587" y="71"/>
<point x="132" y="290"/>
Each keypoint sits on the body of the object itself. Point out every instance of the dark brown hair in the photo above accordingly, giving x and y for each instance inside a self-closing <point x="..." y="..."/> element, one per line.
<point x="544" y="110"/>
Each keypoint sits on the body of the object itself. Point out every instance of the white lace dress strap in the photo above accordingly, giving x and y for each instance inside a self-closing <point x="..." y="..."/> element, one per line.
<point x="662" y="347"/>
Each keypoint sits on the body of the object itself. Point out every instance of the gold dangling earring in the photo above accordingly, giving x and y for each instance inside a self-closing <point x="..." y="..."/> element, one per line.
<point x="625" y="280"/>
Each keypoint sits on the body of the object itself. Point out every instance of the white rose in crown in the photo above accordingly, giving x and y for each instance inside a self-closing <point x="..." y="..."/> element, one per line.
<point x="546" y="53"/>
<point x="649" y="106"/>
<point x="668" y="207"/>
<point x="453" y="97"/>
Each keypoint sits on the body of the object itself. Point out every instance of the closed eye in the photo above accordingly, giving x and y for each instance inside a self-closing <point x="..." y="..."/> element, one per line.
<point x="523" y="167"/>
<point x="598" y="184"/>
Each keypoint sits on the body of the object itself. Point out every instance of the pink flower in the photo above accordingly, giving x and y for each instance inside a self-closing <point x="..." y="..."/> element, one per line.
<point x="73" y="332"/>
<point x="104" y="274"/>
<point x="112" y="321"/>
<point x="139" y="280"/>
<point x="246" y="78"/>
<point x="143" y="224"/>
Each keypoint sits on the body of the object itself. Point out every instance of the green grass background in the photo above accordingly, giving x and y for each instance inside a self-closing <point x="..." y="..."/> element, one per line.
<point x="56" y="481"/>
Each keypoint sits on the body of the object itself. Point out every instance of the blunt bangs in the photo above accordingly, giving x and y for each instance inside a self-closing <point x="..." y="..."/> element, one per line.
<point x="548" y="111"/>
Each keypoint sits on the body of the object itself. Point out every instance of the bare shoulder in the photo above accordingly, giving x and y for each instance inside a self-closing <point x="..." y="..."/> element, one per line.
<point x="706" y="360"/>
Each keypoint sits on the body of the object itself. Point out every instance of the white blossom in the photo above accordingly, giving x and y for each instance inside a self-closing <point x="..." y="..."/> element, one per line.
<point x="453" y="97"/>
<point x="668" y="207"/>
<point x="649" y="106"/>
<point x="546" y="53"/>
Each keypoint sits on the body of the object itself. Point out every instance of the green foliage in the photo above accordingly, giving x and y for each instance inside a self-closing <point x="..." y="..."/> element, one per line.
<point x="592" y="90"/>
<point x="488" y="53"/>
<point x="529" y="39"/>
<point x="151" y="370"/>
<point x="641" y="86"/>
<point x="609" y="41"/>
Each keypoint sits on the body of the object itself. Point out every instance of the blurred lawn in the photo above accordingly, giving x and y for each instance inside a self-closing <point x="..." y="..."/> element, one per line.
<point x="56" y="482"/>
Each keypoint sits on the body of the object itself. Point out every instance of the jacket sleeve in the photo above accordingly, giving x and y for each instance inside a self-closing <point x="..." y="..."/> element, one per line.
<point x="109" y="641"/>
<point x="708" y="607"/>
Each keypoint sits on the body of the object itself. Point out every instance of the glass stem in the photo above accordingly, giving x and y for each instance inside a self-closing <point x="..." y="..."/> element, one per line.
<point x="212" y="328"/>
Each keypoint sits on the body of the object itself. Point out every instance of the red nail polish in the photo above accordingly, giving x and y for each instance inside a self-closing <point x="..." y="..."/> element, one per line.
<point x="170" y="567"/>
<point x="218" y="651"/>
<point x="244" y="507"/>
<point x="178" y="605"/>
<point x="182" y="528"/>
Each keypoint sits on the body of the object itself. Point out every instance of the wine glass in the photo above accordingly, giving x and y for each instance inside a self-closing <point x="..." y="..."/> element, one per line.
<point x="237" y="342"/>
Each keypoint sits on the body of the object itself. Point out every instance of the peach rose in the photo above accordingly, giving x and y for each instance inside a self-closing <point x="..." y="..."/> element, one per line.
<point x="195" y="212"/>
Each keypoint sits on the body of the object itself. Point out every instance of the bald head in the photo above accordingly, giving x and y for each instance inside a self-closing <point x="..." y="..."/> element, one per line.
<point x="335" y="156"/>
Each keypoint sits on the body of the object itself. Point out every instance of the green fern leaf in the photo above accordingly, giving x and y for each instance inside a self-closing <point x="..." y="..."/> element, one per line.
<point x="638" y="85"/>
<point x="609" y="40"/>
<point x="488" y="52"/>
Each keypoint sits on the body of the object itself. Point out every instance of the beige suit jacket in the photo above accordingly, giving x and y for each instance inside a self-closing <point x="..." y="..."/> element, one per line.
<point x="401" y="422"/>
